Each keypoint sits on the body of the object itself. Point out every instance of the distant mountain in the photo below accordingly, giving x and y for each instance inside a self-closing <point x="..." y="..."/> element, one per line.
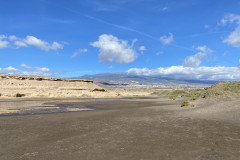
<point x="125" y="79"/>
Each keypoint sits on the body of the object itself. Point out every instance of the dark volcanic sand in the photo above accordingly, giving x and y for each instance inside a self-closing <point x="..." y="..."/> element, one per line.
<point x="144" y="129"/>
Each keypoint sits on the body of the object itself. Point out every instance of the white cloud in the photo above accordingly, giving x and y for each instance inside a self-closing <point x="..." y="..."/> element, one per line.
<point x="230" y="18"/>
<point x="41" y="71"/>
<point x="12" y="38"/>
<point x="142" y="48"/>
<point x="239" y="63"/>
<point x="3" y="44"/>
<point x="113" y="49"/>
<point x="196" y="60"/>
<point x="33" y="41"/>
<point x="28" y="41"/>
<point x="190" y="73"/>
<point x="3" y="37"/>
<point x="36" y="71"/>
<point x="19" y="44"/>
<point x="25" y="66"/>
<point x="75" y="54"/>
<point x="10" y="70"/>
<point x="234" y="38"/>
<point x="167" y="39"/>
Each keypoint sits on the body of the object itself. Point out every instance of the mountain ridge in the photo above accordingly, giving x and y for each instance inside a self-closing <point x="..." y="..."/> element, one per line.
<point x="131" y="79"/>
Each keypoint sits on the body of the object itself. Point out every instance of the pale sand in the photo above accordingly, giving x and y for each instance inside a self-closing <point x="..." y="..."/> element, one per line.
<point x="31" y="87"/>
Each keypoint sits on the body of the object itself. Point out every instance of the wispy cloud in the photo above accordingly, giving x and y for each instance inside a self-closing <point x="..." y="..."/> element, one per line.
<point x="25" y="66"/>
<point x="164" y="8"/>
<point x="128" y="29"/>
<point x="119" y="26"/>
<point x="142" y="49"/>
<point x="57" y="20"/>
<point x="234" y="38"/>
<point x="105" y="5"/>
<point x="166" y="40"/>
<point x="159" y="53"/>
<point x="75" y="54"/>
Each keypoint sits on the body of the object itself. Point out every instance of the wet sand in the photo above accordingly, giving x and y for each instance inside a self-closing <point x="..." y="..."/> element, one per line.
<point x="139" y="129"/>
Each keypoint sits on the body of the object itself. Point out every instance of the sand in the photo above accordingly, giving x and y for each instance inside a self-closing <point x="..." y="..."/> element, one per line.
<point x="139" y="128"/>
<point x="12" y="86"/>
<point x="221" y="110"/>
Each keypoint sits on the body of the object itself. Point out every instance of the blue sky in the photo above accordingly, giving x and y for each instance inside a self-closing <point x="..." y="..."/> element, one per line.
<point x="198" y="39"/>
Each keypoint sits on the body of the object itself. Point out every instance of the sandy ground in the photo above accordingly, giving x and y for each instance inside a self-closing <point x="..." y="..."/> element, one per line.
<point x="226" y="111"/>
<point x="147" y="128"/>
<point x="12" y="86"/>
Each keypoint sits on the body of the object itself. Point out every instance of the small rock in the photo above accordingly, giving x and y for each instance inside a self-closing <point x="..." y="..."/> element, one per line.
<point x="99" y="89"/>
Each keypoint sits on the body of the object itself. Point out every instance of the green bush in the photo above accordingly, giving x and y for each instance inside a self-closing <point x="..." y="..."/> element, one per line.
<point x="185" y="103"/>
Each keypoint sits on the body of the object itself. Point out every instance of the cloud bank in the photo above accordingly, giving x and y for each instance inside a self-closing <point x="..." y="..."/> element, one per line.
<point x="190" y="73"/>
<point x="27" y="42"/>
<point x="112" y="49"/>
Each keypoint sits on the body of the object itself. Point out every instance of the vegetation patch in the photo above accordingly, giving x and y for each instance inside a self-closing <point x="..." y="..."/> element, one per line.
<point x="185" y="103"/>
<point x="176" y="93"/>
<point x="160" y="93"/>
<point x="219" y="90"/>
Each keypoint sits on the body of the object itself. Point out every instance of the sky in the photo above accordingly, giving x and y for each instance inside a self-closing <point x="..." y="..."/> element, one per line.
<point x="187" y="39"/>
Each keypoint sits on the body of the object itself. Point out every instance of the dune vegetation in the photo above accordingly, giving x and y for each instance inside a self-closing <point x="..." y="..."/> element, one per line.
<point x="220" y="90"/>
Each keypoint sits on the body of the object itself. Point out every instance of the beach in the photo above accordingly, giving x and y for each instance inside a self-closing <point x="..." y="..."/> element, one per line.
<point x="132" y="128"/>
